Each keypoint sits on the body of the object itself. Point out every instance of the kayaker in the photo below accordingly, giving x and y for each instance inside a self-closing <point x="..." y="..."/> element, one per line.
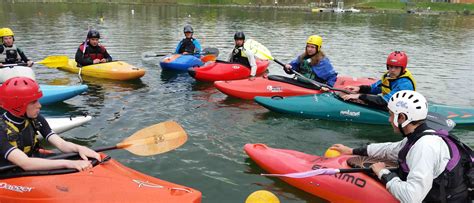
<point x="20" y="125"/>
<point x="313" y="63"/>
<point x="428" y="159"/>
<point x="94" y="52"/>
<point x="9" y="52"/>
<point x="397" y="78"/>
<point x="242" y="56"/>
<point x="189" y="45"/>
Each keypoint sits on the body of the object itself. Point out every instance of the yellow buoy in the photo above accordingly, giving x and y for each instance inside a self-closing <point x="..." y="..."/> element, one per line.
<point x="331" y="153"/>
<point x="262" y="196"/>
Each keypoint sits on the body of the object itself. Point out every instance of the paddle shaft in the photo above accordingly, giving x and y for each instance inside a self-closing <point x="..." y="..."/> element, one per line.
<point x="64" y="156"/>
<point x="206" y="51"/>
<point x="357" y="170"/>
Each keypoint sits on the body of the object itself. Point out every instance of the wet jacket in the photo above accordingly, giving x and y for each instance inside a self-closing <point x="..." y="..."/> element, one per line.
<point x="18" y="133"/>
<point x="322" y="72"/>
<point x="91" y="53"/>
<point x="245" y="57"/>
<point x="11" y="55"/>
<point x="190" y="45"/>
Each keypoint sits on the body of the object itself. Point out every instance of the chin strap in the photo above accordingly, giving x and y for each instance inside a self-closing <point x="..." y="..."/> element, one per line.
<point x="401" y="130"/>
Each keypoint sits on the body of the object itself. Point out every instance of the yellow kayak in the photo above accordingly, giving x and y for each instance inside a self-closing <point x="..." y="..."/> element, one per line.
<point x="116" y="70"/>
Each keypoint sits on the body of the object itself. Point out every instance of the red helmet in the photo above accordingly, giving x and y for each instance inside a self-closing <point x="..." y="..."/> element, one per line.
<point x="399" y="59"/>
<point x="16" y="93"/>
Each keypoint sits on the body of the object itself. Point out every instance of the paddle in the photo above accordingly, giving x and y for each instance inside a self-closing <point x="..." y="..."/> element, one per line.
<point x="262" y="52"/>
<point x="206" y="51"/>
<point x="50" y="61"/>
<point x="155" y="139"/>
<point x="323" y="171"/>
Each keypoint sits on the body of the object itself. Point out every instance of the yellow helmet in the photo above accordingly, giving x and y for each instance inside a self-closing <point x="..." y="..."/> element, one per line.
<point x="262" y="196"/>
<point x="6" y="32"/>
<point x="316" y="40"/>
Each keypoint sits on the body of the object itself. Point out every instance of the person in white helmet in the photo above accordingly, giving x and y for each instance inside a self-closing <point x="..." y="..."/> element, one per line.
<point x="433" y="165"/>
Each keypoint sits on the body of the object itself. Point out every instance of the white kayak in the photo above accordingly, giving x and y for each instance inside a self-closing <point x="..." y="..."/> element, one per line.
<point x="60" y="125"/>
<point x="7" y="72"/>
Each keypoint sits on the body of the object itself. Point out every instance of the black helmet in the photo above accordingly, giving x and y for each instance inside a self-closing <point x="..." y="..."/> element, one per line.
<point x="93" y="34"/>
<point x="188" y="28"/>
<point x="239" y="35"/>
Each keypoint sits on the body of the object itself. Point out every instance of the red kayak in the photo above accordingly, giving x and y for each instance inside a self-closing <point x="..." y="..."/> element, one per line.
<point x="220" y="70"/>
<point x="106" y="182"/>
<point x="275" y="85"/>
<point x="343" y="187"/>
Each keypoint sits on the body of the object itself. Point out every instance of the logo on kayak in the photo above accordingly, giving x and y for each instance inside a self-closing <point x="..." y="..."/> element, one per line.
<point x="350" y="113"/>
<point x="345" y="177"/>
<point x="146" y="184"/>
<point x="274" y="89"/>
<point x="235" y="67"/>
<point x="16" y="188"/>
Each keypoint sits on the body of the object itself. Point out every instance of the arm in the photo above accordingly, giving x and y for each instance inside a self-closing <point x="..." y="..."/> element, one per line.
<point x="325" y="71"/>
<point x="197" y="48"/>
<point x="20" y="159"/>
<point x="375" y="88"/>
<point x="22" y="55"/>
<point x="107" y="56"/>
<point x="81" y="60"/>
<point x="295" y="64"/>
<point x="252" y="62"/>
<point x="66" y="147"/>
<point x="176" y="51"/>
<point x="374" y="100"/>
<point x="427" y="159"/>
<point x="388" y="150"/>
<point x="401" y="84"/>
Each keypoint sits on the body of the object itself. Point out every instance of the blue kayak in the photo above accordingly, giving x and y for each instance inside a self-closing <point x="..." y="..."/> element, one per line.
<point x="58" y="93"/>
<point x="178" y="62"/>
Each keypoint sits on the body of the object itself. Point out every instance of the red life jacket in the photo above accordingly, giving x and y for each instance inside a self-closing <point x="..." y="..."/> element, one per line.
<point x="92" y="52"/>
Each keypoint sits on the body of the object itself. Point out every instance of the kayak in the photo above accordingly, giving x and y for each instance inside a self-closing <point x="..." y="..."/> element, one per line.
<point x="179" y="62"/>
<point x="275" y="85"/>
<point x="106" y="182"/>
<point x="58" y="93"/>
<point x="343" y="187"/>
<point x="7" y="72"/>
<point x="220" y="70"/>
<point x="329" y="106"/>
<point x="116" y="70"/>
<point x="60" y="125"/>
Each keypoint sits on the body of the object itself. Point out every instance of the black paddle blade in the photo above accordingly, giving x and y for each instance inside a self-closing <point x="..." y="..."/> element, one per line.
<point x="437" y="121"/>
<point x="210" y="51"/>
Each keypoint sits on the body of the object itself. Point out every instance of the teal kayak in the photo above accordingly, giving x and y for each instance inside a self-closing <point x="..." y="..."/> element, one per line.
<point x="330" y="107"/>
<point x="59" y="93"/>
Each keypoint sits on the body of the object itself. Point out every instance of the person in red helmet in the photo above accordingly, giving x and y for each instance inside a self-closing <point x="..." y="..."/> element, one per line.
<point x="94" y="52"/>
<point x="22" y="124"/>
<point x="397" y="78"/>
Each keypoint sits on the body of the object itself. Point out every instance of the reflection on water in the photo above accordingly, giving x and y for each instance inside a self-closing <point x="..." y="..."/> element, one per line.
<point x="439" y="50"/>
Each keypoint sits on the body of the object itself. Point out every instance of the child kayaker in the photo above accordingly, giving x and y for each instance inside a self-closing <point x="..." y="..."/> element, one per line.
<point x="94" y="52"/>
<point x="189" y="45"/>
<point x="242" y="56"/>
<point x="21" y="126"/>
<point x="9" y="53"/>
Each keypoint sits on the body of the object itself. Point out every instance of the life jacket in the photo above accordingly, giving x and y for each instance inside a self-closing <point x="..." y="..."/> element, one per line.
<point x="387" y="81"/>
<point x="9" y="55"/>
<point x="97" y="52"/>
<point x="187" y="45"/>
<point x="25" y="139"/>
<point x="239" y="56"/>
<point x="306" y="70"/>
<point x="456" y="180"/>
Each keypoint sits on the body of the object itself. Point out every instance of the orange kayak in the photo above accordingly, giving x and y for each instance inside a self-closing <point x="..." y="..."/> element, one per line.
<point x="106" y="182"/>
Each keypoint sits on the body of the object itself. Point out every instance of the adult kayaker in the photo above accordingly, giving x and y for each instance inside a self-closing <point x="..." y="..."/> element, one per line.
<point x="189" y="45"/>
<point x="94" y="52"/>
<point x="242" y="56"/>
<point x="9" y="52"/>
<point x="20" y="125"/>
<point x="313" y="63"/>
<point x="397" y="78"/>
<point x="434" y="166"/>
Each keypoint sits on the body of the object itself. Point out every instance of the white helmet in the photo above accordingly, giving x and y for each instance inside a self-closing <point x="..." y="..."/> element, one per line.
<point x="410" y="103"/>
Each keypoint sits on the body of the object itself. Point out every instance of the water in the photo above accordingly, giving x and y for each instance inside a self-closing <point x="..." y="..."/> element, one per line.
<point x="440" y="51"/>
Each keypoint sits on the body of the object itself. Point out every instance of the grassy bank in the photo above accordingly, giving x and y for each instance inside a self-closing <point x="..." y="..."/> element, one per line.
<point x="440" y="7"/>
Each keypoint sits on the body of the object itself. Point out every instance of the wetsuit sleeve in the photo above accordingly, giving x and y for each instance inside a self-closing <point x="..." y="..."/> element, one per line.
<point x="252" y="62"/>
<point x="426" y="159"/>
<point x="399" y="85"/>
<point x="44" y="128"/>
<point x="81" y="60"/>
<point x="295" y="64"/>
<point x="374" y="100"/>
<point x="362" y="151"/>
<point x="375" y="88"/>
<point x="197" y="48"/>
<point x="176" y="51"/>
<point x="5" y="147"/>
<point x="22" y="55"/>
<point x="107" y="56"/>
<point x="364" y="89"/>
<point x="388" y="150"/>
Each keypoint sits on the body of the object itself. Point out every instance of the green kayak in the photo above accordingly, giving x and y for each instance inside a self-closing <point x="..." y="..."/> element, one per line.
<point x="329" y="106"/>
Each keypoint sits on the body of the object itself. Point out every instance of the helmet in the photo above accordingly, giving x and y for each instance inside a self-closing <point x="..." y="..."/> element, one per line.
<point x="6" y="32"/>
<point x="261" y="196"/>
<point x="188" y="28"/>
<point x="398" y="58"/>
<point x="315" y="40"/>
<point x="239" y="35"/>
<point x="93" y="34"/>
<point x="17" y="92"/>
<point x="410" y="103"/>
